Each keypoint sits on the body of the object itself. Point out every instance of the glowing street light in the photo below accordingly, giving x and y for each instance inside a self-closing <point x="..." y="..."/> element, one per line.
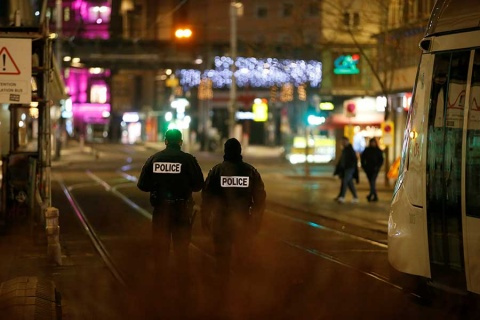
<point x="183" y="33"/>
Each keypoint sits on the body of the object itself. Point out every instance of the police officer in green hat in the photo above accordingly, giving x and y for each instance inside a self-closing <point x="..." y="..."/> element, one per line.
<point x="171" y="176"/>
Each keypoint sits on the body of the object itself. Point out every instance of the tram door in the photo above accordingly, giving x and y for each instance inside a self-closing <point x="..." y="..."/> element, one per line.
<point x="443" y="170"/>
<point x="472" y="182"/>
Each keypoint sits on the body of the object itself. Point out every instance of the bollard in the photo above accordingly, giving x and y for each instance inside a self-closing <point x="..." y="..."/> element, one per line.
<point x="54" y="253"/>
<point x="82" y="142"/>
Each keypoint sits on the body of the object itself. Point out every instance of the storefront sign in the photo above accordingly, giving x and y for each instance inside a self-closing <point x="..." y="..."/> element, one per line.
<point x="260" y="110"/>
<point x="327" y="106"/>
<point x="347" y="64"/>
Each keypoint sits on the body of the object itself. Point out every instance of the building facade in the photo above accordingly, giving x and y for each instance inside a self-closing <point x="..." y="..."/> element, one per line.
<point x="407" y="21"/>
<point x="129" y="62"/>
<point x="113" y="55"/>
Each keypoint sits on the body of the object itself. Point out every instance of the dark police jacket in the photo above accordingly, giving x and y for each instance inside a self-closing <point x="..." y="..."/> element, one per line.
<point x="170" y="174"/>
<point x="234" y="186"/>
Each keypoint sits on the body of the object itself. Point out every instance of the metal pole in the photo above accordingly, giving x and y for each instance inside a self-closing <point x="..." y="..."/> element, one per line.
<point x="48" y="126"/>
<point x="45" y="146"/>
<point x="233" y="54"/>
<point x="58" y="27"/>
<point x="307" y="151"/>
<point x="58" y="53"/>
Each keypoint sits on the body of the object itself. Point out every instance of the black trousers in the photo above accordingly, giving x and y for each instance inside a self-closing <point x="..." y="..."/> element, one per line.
<point x="171" y="224"/>
<point x="232" y="232"/>
<point x="372" y="179"/>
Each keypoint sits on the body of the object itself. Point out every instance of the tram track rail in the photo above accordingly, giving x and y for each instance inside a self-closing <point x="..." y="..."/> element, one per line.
<point x="133" y="205"/>
<point x="332" y="230"/>
<point x="382" y="245"/>
<point x="328" y="257"/>
<point x="133" y="179"/>
<point x="89" y="230"/>
<point x="333" y="259"/>
<point x="369" y="225"/>
<point x="319" y="215"/>
<point x="114" y="189"/>
<point x="327" y="222"/>
<point x="310" y="213"/>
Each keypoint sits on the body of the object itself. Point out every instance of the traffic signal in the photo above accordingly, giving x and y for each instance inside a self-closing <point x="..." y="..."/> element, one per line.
<point x="350" y="108"/>
<point x="387" y="132"/>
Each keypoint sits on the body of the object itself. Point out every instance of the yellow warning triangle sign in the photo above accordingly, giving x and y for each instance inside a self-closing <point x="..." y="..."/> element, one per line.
<point x="7" y="64"/>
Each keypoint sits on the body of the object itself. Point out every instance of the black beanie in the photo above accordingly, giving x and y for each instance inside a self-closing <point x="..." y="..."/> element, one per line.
<point x="233" y="148"/>
<point x="173" y="136"/>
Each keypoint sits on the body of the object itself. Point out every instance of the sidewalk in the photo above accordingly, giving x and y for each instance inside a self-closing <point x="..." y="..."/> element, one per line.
<point x="32" y="286"/>
<point x="74" y="151"/>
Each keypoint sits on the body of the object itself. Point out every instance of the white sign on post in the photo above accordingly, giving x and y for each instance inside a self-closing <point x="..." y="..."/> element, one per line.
<point x="15" y="70"/>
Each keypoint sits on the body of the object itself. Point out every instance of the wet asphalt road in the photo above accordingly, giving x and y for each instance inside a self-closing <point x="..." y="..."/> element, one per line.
<point x="313" y="259"/>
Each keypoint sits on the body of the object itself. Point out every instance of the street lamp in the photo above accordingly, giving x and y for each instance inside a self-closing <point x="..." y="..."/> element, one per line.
<point x="236" y="9"/>
<point x="183" y="33"/>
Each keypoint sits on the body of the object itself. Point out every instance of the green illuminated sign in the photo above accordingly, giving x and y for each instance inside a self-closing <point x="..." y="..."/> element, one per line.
<point x="347" y="64"/>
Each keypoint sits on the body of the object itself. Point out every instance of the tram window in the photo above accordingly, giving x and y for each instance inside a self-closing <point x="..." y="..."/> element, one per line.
<point x="435" y="128"/>
<point x="472" y="173"/>
<point x="444" y="157"/>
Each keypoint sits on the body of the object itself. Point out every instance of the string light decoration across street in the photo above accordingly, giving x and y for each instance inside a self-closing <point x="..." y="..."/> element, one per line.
<point x="255" y="72"/>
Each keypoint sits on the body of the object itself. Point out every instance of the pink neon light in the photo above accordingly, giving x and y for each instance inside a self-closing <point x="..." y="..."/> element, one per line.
<point x="83" y="87"/>
<point x="95" y="23"/>
<point x="77" y="4"/>
<point x="72" y="88"/>
<point x="95" y="108"/>
<point x="84" y="11"/>
<point x="77" y="83"/>
<point x="91" y="112"/>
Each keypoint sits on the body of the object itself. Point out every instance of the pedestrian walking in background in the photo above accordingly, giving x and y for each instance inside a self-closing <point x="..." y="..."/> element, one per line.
<point x="372" y="160"/>
<point x="171" y="176"/>
<point x="233" y="202"/>
<point x="347" y="170"/>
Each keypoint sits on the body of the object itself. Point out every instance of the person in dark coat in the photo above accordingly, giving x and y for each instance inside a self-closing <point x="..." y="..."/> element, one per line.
<point x="233" y="202"/>
<point x="347" y="170"/>
<point x="372" y="160"/>
<point x="171" y="176"/>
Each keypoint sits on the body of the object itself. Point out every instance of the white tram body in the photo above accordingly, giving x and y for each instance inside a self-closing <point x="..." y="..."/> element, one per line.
<point x="434" y="222"/>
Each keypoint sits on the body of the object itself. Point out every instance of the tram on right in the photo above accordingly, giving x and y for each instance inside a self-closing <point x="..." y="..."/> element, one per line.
<point x="434" y="221"/>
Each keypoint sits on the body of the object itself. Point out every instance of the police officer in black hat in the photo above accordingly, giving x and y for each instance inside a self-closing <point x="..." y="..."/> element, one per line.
<point x="171" y="176"/>
<point x="233" y="201"/>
